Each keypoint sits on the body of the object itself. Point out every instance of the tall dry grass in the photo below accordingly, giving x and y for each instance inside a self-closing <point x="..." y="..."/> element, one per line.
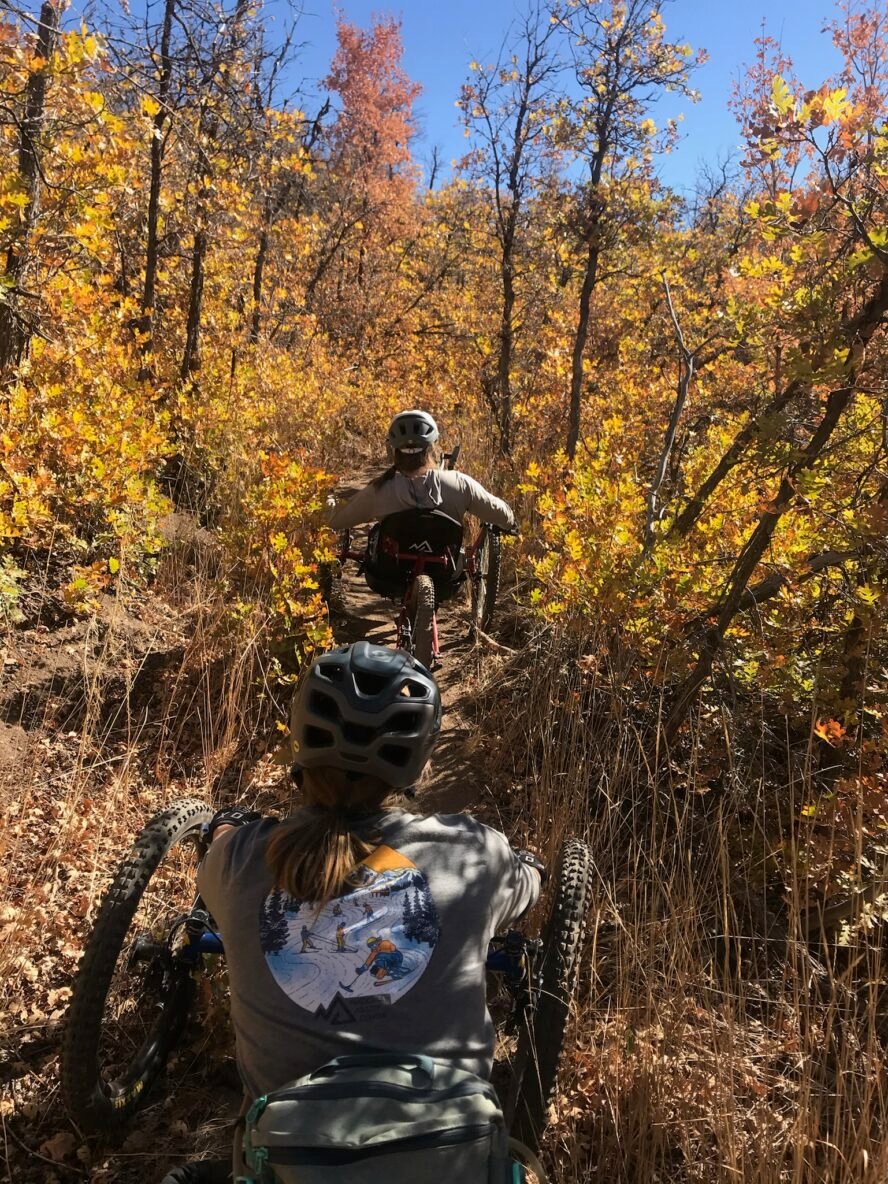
<point x="718" y="1036"/>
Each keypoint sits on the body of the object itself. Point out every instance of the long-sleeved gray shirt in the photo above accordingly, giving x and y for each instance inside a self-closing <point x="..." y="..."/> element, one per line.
<point x="396" y="963"/>
<point x="455" y="494"/>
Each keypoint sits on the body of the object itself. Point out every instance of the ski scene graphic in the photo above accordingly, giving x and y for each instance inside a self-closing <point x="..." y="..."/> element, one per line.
<point x="349" y="960"/>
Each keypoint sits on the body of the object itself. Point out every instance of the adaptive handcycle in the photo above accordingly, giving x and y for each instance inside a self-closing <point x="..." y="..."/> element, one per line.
<point x="153" y="939"/>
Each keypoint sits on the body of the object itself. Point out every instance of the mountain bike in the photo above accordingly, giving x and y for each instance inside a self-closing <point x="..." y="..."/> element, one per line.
<point x="153" y="936"/>
<point x="416" y="557"/>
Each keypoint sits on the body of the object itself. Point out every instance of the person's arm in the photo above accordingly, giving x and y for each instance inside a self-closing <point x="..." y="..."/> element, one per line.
<point x="357" y="510"/>
<point x="484" y="505"/>
<point x="213" y="866"/>
<point x="518" y="883"/>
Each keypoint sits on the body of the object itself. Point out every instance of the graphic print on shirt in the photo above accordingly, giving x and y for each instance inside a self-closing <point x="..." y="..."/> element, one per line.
<point x="350" y="960"/>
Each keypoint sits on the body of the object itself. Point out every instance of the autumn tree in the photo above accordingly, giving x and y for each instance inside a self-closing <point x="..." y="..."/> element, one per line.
<point x="506" y="107"/>
<point x="622" y="62"/>
<point x="16" y="322"/>
<point x="369" y="179"/>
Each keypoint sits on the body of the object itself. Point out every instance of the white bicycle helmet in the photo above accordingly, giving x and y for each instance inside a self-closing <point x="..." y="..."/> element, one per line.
<point x="366" y="709"/>
<point x="412" y="431"/>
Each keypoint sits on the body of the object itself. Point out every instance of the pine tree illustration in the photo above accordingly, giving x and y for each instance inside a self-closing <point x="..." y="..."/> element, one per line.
<point x="273" y="928"/>
<point x="427" y="924"/>
<point x="409" y="920"/>
<point x="433" y="919"/>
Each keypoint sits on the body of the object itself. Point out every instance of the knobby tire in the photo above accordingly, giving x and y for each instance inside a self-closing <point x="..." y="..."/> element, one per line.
<point x="485" y="585"/>
<point x="541" y="1032"/>
<point x="422" y="626"/>
<point x="96" y="1105"/>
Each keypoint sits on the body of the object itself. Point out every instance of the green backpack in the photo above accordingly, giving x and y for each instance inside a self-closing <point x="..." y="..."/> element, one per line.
<point x="377" y="1117"/>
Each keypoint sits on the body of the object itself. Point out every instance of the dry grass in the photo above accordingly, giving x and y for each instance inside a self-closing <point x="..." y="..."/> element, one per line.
<point x="714" y="1040"/>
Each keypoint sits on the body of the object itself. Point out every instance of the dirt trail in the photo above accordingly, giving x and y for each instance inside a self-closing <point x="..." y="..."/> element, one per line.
<point x="453" y="780"/>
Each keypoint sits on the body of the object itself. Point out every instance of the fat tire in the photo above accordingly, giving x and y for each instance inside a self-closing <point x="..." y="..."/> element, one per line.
<point x="485" y="588"/>
<point x="88" y="1102"/>
<point x="423" y="619"/>
<point x="541" y="1032"/>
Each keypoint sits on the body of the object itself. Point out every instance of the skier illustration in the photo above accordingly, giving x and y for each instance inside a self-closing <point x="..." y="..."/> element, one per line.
<point x="367" y="908"/>
<point x="307" y="943"/>
<point x="340" y="937"/>
<point x="385" y="960"/>
<point x="337" y="909"/>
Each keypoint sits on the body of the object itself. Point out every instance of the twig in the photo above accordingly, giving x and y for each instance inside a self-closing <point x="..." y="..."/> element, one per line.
<point x="480" y="635"/>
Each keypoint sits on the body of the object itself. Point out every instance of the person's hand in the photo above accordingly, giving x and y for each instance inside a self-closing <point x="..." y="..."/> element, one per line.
<point x="360" y="969"/>
<point x="535" y="862"/>
<point x="227" y="819"/>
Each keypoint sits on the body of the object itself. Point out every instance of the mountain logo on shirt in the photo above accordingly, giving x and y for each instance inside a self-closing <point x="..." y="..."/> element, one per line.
<point x="347" y="961"/>
<point x="425" y="547"/>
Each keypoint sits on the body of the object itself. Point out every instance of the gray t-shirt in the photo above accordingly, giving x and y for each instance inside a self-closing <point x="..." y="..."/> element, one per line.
<point x="396" y="964"/>
<point x="452" y="492"/>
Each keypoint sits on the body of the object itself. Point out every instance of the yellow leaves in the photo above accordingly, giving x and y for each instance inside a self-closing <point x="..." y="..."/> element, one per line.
<point x="781" y="97"/>
<point x="149" y="106"/>
<point x="835" y="105"/>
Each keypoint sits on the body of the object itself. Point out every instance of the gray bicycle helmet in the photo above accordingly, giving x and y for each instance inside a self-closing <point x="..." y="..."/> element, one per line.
<point x="412" y="431"/>
<point x="366" y="709"/>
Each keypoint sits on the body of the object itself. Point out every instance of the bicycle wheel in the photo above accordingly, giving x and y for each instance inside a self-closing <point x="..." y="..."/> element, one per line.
<point x="541" y="1032"/>
<point x="130" y="1001"/>
<point x="422" y="623"/>
<point x="485" y="582"/>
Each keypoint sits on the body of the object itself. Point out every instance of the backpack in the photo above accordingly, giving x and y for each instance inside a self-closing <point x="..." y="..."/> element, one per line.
<point x="423" y="533"/>
<point x="377" y="1117"/>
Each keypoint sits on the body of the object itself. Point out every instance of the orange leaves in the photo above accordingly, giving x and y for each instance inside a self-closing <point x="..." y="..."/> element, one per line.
<point x="830" y="731"/>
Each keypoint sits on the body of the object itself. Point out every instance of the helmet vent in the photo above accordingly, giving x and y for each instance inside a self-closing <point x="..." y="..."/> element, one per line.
<point x="317" y="737"/>
<point x="405" y="722"/>
<point x="329" y="671"/>
<point x="396" y="754"/>
<point x="414" y="690"/>
<point x="370" y="684"/>
<point x="322" y="705"/>
<point x="357" y="733"/>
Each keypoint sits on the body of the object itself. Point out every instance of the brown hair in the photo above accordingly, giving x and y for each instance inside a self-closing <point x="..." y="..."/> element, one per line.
<point x="405" y="462"/>
<point x="315" y="855"/>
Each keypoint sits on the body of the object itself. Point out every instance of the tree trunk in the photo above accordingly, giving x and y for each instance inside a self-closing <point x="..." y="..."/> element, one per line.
<point x="258" y="271"/>
<point x="507" y="345"/>
<point x="15" y="329"/>
<point x="590" y="275"/>
<point x="191" y="354"/>
<point x="158" y="144"/>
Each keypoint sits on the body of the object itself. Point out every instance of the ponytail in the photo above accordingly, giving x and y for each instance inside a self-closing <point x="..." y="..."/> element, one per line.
<point x="315" y="855"/>
<point x="405" y="462"/>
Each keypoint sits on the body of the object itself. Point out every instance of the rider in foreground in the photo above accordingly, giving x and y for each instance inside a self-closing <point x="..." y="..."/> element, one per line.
<point x="398" y="908"/>
<point x="413" y="482"/>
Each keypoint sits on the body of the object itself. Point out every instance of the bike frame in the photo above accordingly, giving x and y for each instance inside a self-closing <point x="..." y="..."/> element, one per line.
<point x="418" y="565"/>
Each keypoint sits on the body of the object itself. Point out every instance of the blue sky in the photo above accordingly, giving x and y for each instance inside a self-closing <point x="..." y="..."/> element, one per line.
<point x="441" y="38"/>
